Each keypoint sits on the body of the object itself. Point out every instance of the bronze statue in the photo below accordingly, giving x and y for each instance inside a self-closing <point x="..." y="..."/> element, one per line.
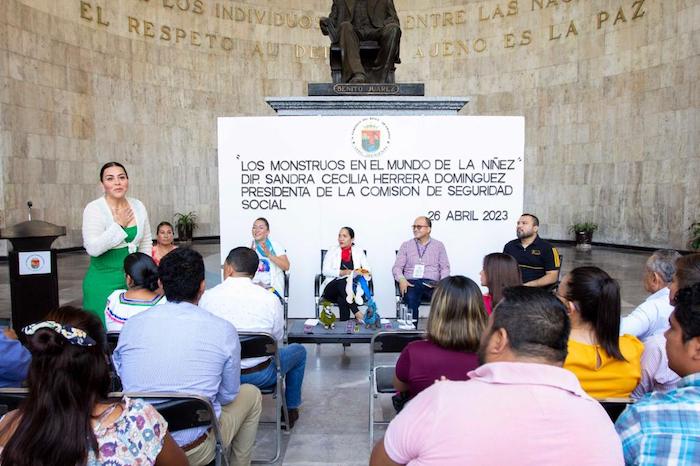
<point x="353" y="22"/>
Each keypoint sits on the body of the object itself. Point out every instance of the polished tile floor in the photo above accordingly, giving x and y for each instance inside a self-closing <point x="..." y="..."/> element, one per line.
<point x="332" y="429"/>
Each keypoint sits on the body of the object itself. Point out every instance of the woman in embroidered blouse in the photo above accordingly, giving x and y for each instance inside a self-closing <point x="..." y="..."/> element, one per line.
<point x="607" y="365"/>
<point x="341" y="261"/>
<point x="143" y="293"/>
<point x="272" y="255"/>
<point x="499" y="272"/>
<point x="164" y="241"/>
<point x="69" y="370"/>
<point x="113" y="226"/>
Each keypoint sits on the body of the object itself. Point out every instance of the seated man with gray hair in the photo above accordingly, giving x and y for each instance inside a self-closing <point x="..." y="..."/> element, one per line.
<point x="650" y="319"/>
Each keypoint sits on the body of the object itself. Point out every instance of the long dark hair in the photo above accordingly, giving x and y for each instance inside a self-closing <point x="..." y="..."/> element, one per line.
<point x="142" y="270"/>
<point x="597" y="298"/>
<point x="502" y="271"/>
<point x="65" y="382"/>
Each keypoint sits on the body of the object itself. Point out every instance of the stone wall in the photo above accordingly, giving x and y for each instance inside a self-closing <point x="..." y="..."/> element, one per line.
<point x="609" y="90"/>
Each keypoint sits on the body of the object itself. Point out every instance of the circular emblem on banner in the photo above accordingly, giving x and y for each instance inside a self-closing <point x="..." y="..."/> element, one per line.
<point x="35" y="262"/>
<point x="371" y="137"/>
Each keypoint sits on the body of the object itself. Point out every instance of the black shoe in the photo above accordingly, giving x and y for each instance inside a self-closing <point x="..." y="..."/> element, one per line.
<point x="358" y="78"/>
<point x="293" y="417"/>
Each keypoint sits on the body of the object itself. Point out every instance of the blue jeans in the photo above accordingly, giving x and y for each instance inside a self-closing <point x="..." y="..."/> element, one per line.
<point x="415" y="294"/>
<point x="293" y="362"/>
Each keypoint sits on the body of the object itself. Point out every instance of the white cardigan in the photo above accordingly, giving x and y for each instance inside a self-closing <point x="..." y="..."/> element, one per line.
<point x="331" y="264"/>
<point x="101" y="233"/>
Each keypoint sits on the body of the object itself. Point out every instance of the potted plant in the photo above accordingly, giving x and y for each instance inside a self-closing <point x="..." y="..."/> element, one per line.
<point x="694" y="236"/>
<point x="584" y="234"/>
<point x="186" y="224"/>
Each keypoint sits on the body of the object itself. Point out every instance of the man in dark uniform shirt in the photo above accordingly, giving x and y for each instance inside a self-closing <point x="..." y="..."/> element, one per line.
<point x="352" y="21"/>
<point x="538" y="260"/>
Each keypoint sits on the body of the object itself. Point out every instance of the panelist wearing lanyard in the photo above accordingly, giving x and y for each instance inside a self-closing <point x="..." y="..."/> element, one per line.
<point x="420" y="263"/>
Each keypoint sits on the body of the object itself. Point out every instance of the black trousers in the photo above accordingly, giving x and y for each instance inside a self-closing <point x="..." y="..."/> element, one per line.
<point x="335" y="293"/>
<point x="388" y="37"/>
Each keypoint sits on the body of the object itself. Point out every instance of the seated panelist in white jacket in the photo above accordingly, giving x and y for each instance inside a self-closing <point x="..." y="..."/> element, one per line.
<point x="341" y="261"/>
<point x="113" y="227"/>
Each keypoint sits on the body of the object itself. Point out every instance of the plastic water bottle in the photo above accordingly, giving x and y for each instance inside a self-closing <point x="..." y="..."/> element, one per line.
<point x="403" y="313"/>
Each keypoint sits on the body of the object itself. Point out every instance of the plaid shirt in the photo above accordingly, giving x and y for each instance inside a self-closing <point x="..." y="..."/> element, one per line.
<point x="663" y="428"/>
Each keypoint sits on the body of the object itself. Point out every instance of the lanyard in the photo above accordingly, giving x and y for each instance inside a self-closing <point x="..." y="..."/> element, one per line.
<point x="420" y="255"/>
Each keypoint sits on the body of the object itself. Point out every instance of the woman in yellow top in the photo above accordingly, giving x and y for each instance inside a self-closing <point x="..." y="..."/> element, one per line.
<point x="607" y="364"/>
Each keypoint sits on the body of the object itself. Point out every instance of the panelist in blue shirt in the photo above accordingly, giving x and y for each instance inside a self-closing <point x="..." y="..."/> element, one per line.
<point x="180" y="347"/>
<point x="14" y="361"/>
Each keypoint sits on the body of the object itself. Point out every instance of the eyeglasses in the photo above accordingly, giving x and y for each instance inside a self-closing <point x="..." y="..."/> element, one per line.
<point x="419" y="227"/>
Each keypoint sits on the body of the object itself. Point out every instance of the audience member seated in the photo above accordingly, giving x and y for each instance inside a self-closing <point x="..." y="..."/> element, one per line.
<point x="67" y="418"/>
<point x="180" y="347"/>
<point x="500" y="271"/>
<point x="164" y="241"/>
<point x="273" y="258"/>
<point x="607" y="364"/>
<point x="656" y="375"/>
<point x="341" y="261"/>
<point x="687" y="274"/>
<point x="15" y="359"/>
<point x="538" y="260"/>
<point x="651" y="317"/>
<point x="250" y="308"/>
<point x="664" y="428"/>
<point x="143" y="293"/>
<point x="457" y="318"/>
<point x="420" y="263"/>
<point x="519" y="407"/>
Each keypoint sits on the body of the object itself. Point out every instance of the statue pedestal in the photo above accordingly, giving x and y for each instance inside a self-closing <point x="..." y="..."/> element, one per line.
<point x="369" y="105"/>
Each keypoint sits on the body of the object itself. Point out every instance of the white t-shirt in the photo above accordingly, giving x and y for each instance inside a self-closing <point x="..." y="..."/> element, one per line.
<point x="120" y="309"/>
<point x="269" y="274"/>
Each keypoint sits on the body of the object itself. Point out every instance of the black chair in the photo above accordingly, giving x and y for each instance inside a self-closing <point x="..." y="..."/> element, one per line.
<point x="320" y="278"/>
<point x="381" y="376"/>
<point x="112" y="340"/>
<point x="256" y="345"/>
<point x="615" y="406"/>
<point x="181" y="411"/>
<point x="10" y="398"/>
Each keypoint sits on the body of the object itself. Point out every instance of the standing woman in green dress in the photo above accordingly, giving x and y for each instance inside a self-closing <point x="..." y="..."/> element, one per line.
<point x="113" y="227"/>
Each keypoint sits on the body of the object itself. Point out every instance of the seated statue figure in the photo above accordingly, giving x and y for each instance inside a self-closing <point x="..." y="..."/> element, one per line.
<point x="353" y="21"/>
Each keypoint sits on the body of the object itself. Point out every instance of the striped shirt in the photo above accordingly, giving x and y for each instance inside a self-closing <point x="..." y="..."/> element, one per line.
<point x="432" y="255"/>
<point x="663" y="428"/>
<point x="656" y="375"/>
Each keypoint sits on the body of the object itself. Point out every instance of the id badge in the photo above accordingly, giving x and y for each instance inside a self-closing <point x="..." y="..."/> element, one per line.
<point x="418" y="270"/>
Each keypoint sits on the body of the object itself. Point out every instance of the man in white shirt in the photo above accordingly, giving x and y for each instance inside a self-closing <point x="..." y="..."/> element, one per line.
<point x="651" y="317"/>
<point x="251" y="308"/>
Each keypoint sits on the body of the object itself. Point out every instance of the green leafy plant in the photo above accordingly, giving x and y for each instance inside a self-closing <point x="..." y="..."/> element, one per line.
<point x="695" y="236"/>
<point x="186" y="224"/>
<point x="583" y="227"/>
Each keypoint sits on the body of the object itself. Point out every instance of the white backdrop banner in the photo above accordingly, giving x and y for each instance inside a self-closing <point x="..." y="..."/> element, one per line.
<point x="310" y="176"/>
